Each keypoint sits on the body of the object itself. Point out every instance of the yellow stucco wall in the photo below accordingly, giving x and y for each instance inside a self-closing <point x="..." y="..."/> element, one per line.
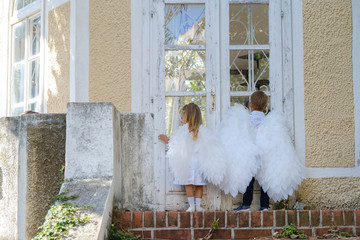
<point x="59" y="59"/>
<point x="110" y="53"/>
<point x="330" y="192"/>
<point x="328" y="83"/>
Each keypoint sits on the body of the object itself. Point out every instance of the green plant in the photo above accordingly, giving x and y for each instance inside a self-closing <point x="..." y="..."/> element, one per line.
<point x="59" y="219"/>
<point x="290" y="230"/>
<point x="115" y="234"/>
<point x="63" y="198"/>
<point x="215" y="225"/>
<point x="283" y="204"/>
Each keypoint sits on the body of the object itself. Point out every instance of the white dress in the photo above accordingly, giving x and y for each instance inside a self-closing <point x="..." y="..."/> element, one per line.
<point x="266" y="153"/>
<point x="196" y="161"/>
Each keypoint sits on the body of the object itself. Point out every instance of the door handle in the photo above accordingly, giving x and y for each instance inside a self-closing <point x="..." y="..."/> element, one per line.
<point x="213" y="100"/>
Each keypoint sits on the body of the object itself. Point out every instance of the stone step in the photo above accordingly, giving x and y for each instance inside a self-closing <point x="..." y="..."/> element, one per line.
<point x="235" y="225"/>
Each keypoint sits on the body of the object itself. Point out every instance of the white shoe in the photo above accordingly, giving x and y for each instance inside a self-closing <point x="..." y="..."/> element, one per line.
<point x="191" y="208"/>
<point x="200" y="209"/>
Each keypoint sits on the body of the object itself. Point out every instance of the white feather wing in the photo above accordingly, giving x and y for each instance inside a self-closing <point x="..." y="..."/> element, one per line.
<point x="211" y="154"/>
<point x="281" y="171"/>
<point x="180" y="149"/>
<point x="237" y="135"/>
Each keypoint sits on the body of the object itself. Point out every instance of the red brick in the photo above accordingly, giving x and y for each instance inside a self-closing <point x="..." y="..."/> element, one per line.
<point x="209" y="218"/>
<point x="347" y="230"/>
<point x="251" y="233"/>
<point x="221" y="216"/>
<point x="358" y="218"/>
<point x="304" y="218"/>
<point x="184" y="219"/>
<point x="172" y="234"/>
<point x="349" y="217"/>
<point x="244" y="219"/>
<point x="148" y="219"/>
<point x="137" y="220"/>
<point x="292" y="218"/>
<point x="256" y="219"/>
<point x="280" y="218"/>
<point x="160" y="219"/>
<point x="268" y="219"/>
<point x="358" y="232"/>
<point x="232" y="219"/>
<point x="142" y="234"/>
<point x="338" y="217"/>
<point x="321" y="231"/>
<point x="218" y="234"/>
<point x="315" y="218"/>
<point x="122" y="219"/>
<point x="198" y="219"/>
<point x="172" y="219"/>
<point x="222" y="234"/>
<point x="307" y="231"/>
<point x="326" y="218"/>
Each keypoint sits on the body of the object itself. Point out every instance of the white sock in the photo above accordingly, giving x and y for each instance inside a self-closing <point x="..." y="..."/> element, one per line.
<point x="191" y="200"/>
<point x="198" y="201"/>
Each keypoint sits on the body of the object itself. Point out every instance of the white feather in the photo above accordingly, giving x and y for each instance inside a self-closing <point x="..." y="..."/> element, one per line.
<point x="207" y="149"/>
<point x="281" y="171"/>
<point x="237" y="135"/>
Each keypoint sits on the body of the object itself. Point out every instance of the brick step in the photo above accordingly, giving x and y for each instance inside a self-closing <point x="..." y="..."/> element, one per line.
<point x="235" y="225"/>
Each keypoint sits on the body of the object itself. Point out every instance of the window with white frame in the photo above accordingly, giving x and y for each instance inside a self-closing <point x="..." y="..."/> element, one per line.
<point x="25" y="82"/>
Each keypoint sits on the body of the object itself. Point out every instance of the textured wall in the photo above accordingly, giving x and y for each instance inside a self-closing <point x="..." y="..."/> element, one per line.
<point x="110" y="53"/>
<point x="45" y="157"/>
<point x="59" y="59"/>
<point x="9" y="134"/>
<point x="330" y="192"/>
<point x="328" y="83"/>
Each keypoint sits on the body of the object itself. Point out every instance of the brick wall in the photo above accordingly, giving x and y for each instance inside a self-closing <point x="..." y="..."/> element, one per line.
<point x="234" y="225"/>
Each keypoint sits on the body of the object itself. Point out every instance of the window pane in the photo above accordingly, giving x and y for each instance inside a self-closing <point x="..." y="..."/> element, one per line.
<point x="19" y="42"/>
<point x="185" y="70"/>
<point x="34" y="78"/>
<point x="184" y="24"/>
<point x="249" y="70"/>
<point x="173" y="111"/>
<point x="244" y="100"/>
<point x="22" y="3"/>
<point x="249" y="24"/>
<point x="18" y="84"/>
<point x="17" y="111"/>
<point x="34" y="107"/>
<point x="35" y="36"/>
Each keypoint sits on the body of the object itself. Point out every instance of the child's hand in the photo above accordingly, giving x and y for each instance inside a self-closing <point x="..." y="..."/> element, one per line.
<point x="164" y="138"/>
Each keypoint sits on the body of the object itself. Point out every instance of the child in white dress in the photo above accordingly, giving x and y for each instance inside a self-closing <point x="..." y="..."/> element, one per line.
<point x="196" y="156"/>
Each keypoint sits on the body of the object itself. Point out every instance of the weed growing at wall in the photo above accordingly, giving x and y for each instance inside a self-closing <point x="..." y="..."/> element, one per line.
<point x="121" y="235"/>
<point x="290" y="231"/>
<point x="63" y="198"/>
<point x="59" y="219"/>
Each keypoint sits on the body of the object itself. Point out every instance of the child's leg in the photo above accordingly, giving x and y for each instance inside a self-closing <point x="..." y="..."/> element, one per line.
<point x="190" y="194"/>
<point x="264" y="199"/>
<point x="198" y="197"/>
<point x="248" y="195"/>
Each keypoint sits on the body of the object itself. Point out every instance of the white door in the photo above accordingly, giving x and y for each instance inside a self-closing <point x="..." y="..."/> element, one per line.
<point x="213" y="53"/>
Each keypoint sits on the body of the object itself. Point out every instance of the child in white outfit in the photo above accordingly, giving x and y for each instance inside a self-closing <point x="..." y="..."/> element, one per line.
<point x="195" y="156"/>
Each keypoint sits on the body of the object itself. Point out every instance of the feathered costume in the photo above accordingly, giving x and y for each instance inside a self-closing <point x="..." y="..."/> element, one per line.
<point x="207" y="150"/>
<point x="266" y="153"/>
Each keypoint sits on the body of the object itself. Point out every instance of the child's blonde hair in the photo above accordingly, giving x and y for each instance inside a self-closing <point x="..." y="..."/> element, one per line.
<point x="192" y="115"/>
<point x="259" y="100"/>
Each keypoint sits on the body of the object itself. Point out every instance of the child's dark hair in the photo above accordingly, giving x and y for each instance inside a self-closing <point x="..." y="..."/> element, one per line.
<point x="192" y="114"/>
<point x="259" y="100"/>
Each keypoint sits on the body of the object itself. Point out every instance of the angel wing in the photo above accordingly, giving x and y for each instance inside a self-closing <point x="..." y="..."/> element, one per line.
<point x="237" y="134"/>
<point x="179" y="154"/>
<point x="211" y="154"/>
<point x="281" y="170"/>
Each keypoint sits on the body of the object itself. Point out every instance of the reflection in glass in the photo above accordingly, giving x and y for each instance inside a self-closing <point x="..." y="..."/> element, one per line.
<point x="23" y="3"/>
<point x="173" y="111"/>
<point x="17" y="111"/>
<point x="35" y="36"/>
<point x="18" y="84"/>
<point x="19" y="42"/>
<point x="34" y="78"/>
<point x="249" y="24"/>
<point x="34" y="107"/>
<point x="249" y="70"/>
<point x="185" y="70"/>
<point x="184" y="24"/>
<point x="244" y="100"/>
